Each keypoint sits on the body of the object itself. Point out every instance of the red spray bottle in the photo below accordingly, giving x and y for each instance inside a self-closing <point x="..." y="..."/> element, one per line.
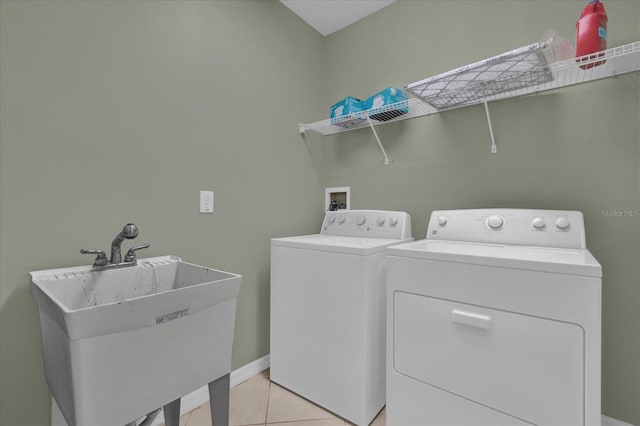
<point x="591" y="32"/>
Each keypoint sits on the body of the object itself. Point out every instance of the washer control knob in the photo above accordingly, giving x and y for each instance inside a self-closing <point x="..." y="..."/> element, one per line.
<point x="393" y="221"/>
<point x="495" y="222"/>
<point x="341" y="219"/>
<point x="442" y="220"/>
<point x="538" y="223"/>
<point x="361" y="220"/>
<point x="562" y="222"/>
<point x="380" y="220"/>
<point x="332" y="218"/>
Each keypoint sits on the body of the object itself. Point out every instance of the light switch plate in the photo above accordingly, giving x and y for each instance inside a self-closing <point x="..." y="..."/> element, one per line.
<point x="206" y="201"/>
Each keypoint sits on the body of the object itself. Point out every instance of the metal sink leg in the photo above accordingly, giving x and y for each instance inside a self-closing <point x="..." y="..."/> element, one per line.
<point x="172" y="413"/>
<point x="219" y="401"/>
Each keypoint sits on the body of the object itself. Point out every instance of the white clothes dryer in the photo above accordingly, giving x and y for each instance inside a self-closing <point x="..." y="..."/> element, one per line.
<point x="328" y="311"/>
<point x="493" y="320"/>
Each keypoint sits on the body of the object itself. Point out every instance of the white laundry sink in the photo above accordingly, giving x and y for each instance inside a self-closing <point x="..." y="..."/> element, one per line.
<point x="120" y="343"/>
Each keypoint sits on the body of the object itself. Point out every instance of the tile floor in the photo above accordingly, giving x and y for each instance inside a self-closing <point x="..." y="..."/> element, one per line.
<point x="257" y="401"/>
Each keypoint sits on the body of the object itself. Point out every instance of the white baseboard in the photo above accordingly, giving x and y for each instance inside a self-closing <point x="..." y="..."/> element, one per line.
<point x="248" y="371"/>
<point x="196" y="398"/>
<point x="610" y="421"/>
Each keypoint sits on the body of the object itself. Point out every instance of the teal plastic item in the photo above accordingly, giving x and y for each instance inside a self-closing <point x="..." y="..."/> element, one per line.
<point x="344" y="112"/>
<point x="387" y="104"/>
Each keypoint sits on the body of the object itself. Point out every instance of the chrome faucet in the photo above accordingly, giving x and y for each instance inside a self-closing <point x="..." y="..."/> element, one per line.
<point x="129" y="232"/>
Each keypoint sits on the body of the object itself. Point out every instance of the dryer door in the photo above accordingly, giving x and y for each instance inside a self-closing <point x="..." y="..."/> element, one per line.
<point x="503" y="360"/>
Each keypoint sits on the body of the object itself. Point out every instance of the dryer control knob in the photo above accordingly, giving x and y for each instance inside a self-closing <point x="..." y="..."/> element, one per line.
<point x="341" y="219"/>
<point x="538" y="223"/>
<point x="562" y="222"/>
<point x="393" y="221"/>
<point x="332" y="218"/>
<point x="495" y="222"/>
<point x="442" y="220"/>
<point x="380" y="220"/>
<point x="361" y="220"/>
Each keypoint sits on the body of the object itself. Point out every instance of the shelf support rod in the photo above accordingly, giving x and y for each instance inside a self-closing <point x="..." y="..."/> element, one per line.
<point x="386" y="158"/>
<point x="494" y="148"/>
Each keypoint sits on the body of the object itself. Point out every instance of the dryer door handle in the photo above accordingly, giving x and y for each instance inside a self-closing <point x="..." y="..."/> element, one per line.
<point x="471" y="318"/>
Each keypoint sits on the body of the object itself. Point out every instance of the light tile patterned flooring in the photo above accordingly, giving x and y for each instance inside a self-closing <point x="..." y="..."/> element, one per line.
<point x="258" y="401"/>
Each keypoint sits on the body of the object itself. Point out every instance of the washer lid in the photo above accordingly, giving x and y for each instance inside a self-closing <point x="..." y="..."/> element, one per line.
<point x="548" y="259"/>
<point x="338" y="244"/>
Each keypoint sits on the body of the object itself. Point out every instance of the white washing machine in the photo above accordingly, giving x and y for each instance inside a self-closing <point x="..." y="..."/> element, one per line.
<point x="328" y="311"/>
<point x="494" y="320"/>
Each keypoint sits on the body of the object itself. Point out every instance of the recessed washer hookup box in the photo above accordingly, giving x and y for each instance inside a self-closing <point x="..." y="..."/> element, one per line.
<point x="387" y="104"/>
<point x="344" y="112"/>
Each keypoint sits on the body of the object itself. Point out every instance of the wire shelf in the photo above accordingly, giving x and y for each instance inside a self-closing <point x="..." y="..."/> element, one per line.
<point x="517" y="73"/>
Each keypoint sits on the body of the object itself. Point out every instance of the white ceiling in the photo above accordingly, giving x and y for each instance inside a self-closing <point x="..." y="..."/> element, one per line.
<point x="328" y="16"/>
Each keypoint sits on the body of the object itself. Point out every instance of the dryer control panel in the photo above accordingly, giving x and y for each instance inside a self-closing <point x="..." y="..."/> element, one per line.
<point x="525" y="227"/>
<point x="367" y="223"/>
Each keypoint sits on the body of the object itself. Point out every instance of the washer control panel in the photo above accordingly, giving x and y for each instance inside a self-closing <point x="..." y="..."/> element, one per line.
<point x="545" y="228"/>
<point x="367" y="223"/>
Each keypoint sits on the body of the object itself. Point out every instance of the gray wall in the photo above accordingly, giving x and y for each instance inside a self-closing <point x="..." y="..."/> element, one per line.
<point x="122" y="111"/>
<point x="577" y="148"/>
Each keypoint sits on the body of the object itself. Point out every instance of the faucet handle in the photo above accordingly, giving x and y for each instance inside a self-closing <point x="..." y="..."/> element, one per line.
<point x="131" y="254"/>
<point x="101" y="259"/>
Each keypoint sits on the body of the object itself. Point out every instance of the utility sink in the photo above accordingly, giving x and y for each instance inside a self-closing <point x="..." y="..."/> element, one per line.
<point x="123" y="342"/>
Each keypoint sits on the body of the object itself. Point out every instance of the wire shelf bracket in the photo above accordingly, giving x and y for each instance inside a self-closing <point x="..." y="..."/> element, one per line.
<point x="373" y="129"/>
<point x="367" y="121"/>
<point x="494" y="148"/>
